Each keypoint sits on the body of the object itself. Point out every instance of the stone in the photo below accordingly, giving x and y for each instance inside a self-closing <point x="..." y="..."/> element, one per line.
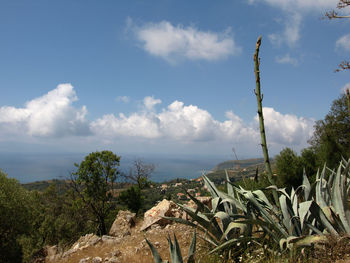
<point x="154" y="215"/>
<point x="96" y="260"/>
<point x="84" y="260"/>
<point x="122" y="224"/>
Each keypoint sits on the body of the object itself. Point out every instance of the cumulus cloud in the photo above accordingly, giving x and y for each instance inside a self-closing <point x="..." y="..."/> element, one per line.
<point x="54" y="115"/>
<point x="150" y="102"/>
<point x="49" y="115"/>
<point x="174" y="42"/>
<point x="189" y="123"/>
<point x="287" y="129"/>
<point x="343" y="43"/>
<point x="287" y="59"/>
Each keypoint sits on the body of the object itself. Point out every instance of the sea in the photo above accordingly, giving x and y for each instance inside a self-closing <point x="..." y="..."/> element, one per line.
<point x="31" y="167"/>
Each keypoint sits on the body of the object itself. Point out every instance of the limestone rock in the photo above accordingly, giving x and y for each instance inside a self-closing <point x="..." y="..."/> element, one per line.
<point x="122" y="224"/>
<point x="96" y="260"/>
<point x="154" y="215"/>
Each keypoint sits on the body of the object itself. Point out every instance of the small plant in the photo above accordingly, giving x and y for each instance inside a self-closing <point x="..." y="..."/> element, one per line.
<point x="175" y="252"/>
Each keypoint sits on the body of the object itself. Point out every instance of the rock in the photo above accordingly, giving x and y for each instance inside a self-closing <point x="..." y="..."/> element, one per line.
<point x="110" y="239"/>
<point x="122" y="224"/>
<point x="84" y="260"/>
<point x="83" y="242"/>
<point x="96" y="260"/>
<point x="154" y="215"/>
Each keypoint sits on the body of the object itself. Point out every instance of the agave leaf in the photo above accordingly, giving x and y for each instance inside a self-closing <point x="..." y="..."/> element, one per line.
<point x="321" y="189"/>
<point x="231" y="242"/>
<point x="306" y="186"/>
<point x="234" y="225"/>
<point x="211" y="187"/>
<point x="229" y="186"/>
<point x="304" y="208"/>
<point x="294" y="201"/>
<point x="265" y="214"/>
<point x="215" y="203"/>
<point x="317" y="212"/>
<point x="339" y="201"/>
<point x="210" y="225"/>
<point x="235" y="203"/>
<point x="177" y="256"/>
<point x="203" y="208"/>
<point x="192" y="249"/>
<point x="156" y="256"/>
<point x="224" y="218"/>
<point x="307" y="241"/>
<point x="285" y="212"/>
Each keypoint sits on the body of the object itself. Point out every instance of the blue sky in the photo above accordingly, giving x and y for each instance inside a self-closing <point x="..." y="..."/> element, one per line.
<point x="165" y="77"/>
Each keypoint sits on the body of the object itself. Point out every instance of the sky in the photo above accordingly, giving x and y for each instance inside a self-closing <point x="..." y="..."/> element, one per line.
<point x="165" y="76"/>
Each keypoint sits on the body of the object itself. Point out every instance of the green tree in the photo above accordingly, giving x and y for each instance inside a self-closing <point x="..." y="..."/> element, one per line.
<point x="331" y="138"/>
<point x="289" y="168"/>
<point x="132" y="198"/>
<point x="14" y="218"/>
<point x="94" y="183"/>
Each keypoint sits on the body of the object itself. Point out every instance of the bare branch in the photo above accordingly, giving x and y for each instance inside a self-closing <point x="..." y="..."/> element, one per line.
<point x="344" y="65"/>
<point x="343" y="3"/>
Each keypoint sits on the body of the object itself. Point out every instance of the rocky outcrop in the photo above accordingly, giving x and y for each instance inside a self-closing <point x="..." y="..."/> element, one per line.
<point x="156" y="213"/>
<point x="122" y="224"/>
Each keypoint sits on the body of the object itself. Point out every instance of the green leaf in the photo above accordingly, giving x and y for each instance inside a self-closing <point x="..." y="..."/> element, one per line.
<point x="156" y="256"/>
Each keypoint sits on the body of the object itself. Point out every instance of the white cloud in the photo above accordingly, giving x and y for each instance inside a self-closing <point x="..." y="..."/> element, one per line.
<point x="343" y="43"/>
<point x="150" y="102"/>
<point x="294" y="11"/>
<point x="53" y="115"/>
<point x="48" y="115"/>
<point x="287" y="129"/>
<point x="287" y="59"/>
<point x="124" y="99"/>
<point x="187" y="124"/>
<point x="291" y="34"/>
<point x="177" y="42"/>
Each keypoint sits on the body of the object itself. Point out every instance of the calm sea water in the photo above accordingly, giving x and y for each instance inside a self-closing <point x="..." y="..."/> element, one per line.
<point x="30" y="167"/>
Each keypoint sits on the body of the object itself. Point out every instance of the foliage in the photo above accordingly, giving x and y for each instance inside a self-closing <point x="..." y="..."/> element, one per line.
<point x="14" y="219"/>
<point x="94" y="181"/>
<point x="289" y="168"/>
<point x="331" y="138"/>
<point x="132" y="198"/>
<point x="175" y="252"/>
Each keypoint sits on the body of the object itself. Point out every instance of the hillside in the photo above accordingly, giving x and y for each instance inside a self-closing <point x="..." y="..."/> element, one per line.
<point x="236" y="169"/>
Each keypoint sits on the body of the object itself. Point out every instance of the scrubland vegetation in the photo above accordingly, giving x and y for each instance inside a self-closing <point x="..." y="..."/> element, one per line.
<point x="296" y="210"/>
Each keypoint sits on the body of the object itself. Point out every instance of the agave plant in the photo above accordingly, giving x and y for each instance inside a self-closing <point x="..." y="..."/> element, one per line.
<point x="175" y="252"/>
<point x="299" y="219"/>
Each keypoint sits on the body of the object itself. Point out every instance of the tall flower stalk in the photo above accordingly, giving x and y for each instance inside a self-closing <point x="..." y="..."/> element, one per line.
<point x="259" y="98"/>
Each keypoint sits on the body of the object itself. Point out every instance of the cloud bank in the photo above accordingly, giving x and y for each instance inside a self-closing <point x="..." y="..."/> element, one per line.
<point x="51" y="115"/>
<point x="54" y="115"/>
<point x="175" y="42"/>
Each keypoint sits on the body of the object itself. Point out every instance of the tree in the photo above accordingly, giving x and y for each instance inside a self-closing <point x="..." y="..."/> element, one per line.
<point x="332" y="15"/>
<point x="14" y="218"/>
<point x="94" y="182"/>
<point x="140" y="173"/>
<point x="289" y="168"/>
<point x="331" y="138"/>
